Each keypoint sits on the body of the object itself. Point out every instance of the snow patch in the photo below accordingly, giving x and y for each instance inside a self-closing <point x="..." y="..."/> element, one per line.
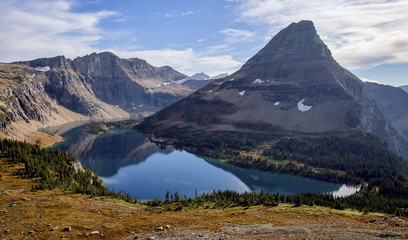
<point x="259" y="81"/>
<point x="302" y="107"/>
<point x="141" y="105"/>
<point x="276" y="103"/>
<point x="242" y="93"/>
<point x="210" y="91"/>
<point x="232" y="79"/>
<point x="221" y="83"/>
<point x="32" y="75"/>
<point x="166" y="83"/>
<point x="43" y="69"/>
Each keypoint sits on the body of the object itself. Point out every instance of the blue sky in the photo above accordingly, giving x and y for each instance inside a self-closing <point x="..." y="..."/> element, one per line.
<point x="214" y="36"/>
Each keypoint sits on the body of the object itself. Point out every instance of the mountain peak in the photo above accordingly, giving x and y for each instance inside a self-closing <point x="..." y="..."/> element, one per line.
<point x="305" y="24"/>
<point x="200" y="76"/>
<point x="296" y="44"/>
<point x="291" y="86"/>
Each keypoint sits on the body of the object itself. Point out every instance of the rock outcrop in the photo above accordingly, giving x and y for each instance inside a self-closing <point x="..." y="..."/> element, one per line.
<point x="291" y="86"/>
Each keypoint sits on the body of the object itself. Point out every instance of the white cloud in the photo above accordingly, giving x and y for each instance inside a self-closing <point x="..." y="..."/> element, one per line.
<point x="216" y="49"/>
<point x="170" y="15"/>
<point x="187" y="13"/>
<point x="186" y="61"/>
<point x="359" y="33"/>
<point x="33" y="29"/>
<point x="237" y="35"/>
<point x="175" y="14"/>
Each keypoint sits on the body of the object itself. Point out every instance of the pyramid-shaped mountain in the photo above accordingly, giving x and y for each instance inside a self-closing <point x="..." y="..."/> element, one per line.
<point x="291" y="86"/>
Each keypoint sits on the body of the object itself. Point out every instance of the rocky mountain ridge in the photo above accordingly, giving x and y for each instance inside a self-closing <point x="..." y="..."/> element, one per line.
<point x="51" y="91"/>
<point x="405" y="88"/>
<point x="291" y="86"/>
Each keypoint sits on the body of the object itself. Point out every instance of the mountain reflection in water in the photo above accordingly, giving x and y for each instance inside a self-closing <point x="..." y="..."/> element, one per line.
<point x="107" y="153"/>
<point x="126" y="160"/>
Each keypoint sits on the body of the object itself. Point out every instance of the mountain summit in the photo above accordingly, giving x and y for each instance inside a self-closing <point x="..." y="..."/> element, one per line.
<point x="291" y="86"/>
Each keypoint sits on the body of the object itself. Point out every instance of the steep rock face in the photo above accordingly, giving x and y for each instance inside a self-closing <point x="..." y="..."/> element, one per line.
<point x="405" y="88"/>
<point x="293" y="85"/>
<point x="25" y="106"/>
<point x="97" y="86"/>
<point x="392" y="102"/>
<point x="132" y="84"/>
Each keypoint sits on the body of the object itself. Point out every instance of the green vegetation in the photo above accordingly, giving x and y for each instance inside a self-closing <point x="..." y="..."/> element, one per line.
<point x="55" y="168"/>
<point x="354" y="158"/>
<point x="363" y="201"/>
<point x="103" y="127"/>
<point x="3" y="113"/>
<point x="362" y="156"/>
<point x="96" y="128"/>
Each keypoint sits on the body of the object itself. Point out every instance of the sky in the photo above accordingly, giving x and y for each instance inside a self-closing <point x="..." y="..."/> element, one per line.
<point x="370" y="38"/>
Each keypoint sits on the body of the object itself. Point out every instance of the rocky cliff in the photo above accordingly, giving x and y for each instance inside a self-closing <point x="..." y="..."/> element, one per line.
<point x="52" y="91"/>
<point x="291" y="86"/>
<point x="392" y="102"/>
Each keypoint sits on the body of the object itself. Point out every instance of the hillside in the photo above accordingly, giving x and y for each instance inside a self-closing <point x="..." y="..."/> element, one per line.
<point x="291" y="86"/>
<point x="52" y="91"/>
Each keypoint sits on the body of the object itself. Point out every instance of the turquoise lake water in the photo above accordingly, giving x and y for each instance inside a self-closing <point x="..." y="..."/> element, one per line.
<point x="127" y="161"/>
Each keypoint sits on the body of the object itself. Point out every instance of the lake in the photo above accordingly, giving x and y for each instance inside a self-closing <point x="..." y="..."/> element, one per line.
<point x="127" y="161"/>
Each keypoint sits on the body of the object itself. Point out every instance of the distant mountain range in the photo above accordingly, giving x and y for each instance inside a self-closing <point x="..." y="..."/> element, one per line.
<point x="199" y="80"/>
<point x="51" y="91"/>
<point x="292" y="86"/>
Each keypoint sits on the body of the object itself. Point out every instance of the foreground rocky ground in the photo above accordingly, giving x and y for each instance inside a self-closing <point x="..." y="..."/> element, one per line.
<point x="57" y="215"/>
